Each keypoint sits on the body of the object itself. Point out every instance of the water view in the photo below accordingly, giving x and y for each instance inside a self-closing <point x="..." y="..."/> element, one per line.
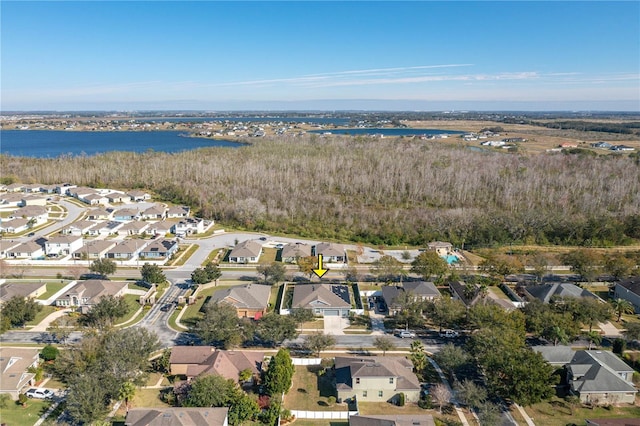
<point x="49" y="143"/>
<point x="384" y="131"/>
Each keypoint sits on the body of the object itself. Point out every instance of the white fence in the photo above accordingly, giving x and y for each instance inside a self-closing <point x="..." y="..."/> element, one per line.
<point x="306" y="361"/>
<point x="326" y="415"/>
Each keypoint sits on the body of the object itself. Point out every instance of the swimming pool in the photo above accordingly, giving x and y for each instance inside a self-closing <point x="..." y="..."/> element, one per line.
<point x="451" y="259"/>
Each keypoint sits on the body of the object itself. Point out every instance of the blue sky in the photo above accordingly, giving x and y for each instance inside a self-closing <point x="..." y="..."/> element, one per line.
<point x="417" y="55"/>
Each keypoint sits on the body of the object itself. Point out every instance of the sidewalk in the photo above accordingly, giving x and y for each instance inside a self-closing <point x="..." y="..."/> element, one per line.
<point x="45" y="323"/>
<point x="461" y="415"/>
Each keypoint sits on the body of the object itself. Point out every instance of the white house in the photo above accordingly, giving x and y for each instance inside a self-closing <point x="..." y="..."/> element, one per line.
<point x="37" y="214"/>
<point x="14" y="226"/>
<point x="188" y="225"/>
<point x="30" y="249"/>
<point x="63" y="245"/>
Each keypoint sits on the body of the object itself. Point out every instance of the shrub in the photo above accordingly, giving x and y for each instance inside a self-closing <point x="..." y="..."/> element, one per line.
<point x="49" y="353"/>
<point x="331" y="400"/>
<point x="401" y="399"/>
<point x="22" y="399"/>
<point x="619" y="346"/>
<point x="425" y="404"/>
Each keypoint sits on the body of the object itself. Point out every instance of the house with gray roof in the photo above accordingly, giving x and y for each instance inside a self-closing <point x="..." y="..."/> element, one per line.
<point x="78" y="228"/>
<point x="331" y="252"/>
<point x="126" y="249"/>
<point x="472" y="294"/>
<point x="136" y="195"/>
<point x="159" y="249"/>
<point x="322" y="299"/>
<point x="629" y="290"/>
<point x="419" y="290"/>
<point x="87" y="293"/>
<point x="133" y="228"/>
<point x="440" y="247"/>
<point x="177" y="416"/>
<point x="30" y="249"/>
<point x="292" y="252"/>
<point x="98" y="214"/>
<point x="546" y="292"/>
<point x="248" y="251"/>
<point x="376" y="379"/>
<point x="37" y="214"/>
<point x="600" y="378"/>
<point x="31" y="290"/>
<point x="154" y="212"/>
<point x="94" y="249"/>
<point x="392" y="420"/>
<point x="126" y="215"/>
<point x="250" y="300"/>
<point x="6" y="246"/>
<point x="14" y="226"/>
<point x="557" y="356"/>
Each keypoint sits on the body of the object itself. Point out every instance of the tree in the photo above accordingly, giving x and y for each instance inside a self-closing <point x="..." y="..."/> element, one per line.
<point x="408" y="310"/>
<point x="428" y="263"/>
<point x="199" y="276"/>
<point x="19" y="310"/>
<point x="220" y="325"/>
<point x="4" y="400"/>
<point x="152" y="274"/>
<point x="127" y="392"/>
<point x="556" y="334"/>
<point x="446" y="312"/>
<point x="301" y="315"/>
<point x="451" y="357"/>
<point x="279" y="374"/>
<point x="489" y="413"/>
<point x="87" y="399"/>
<point x="618" y="266"/>
<point x="386" y="268"/>
<point x="275" y="329"/>
<point x="213" y="271"/>
<point x="384" y="344"/>
<point x="272" y="272"/>
<point x="163" y="362"/>
<point x="470" y="394"/>
<point x="243" y="408"/>
<point x="49" y="353"/>
<point x="318" y="342"/>
<point x="441" y="394"/>
<point x="499" y="265"/>
<point x="583" y="262"/>
<point x="103" y="267"/>
<point x="594" y="338"/>
<point x="588" y="311"/>
<point x="306" y="265"/>
<point x="418" y="357"/>
<point x="540" y="264"/>
<point x="621" y="306"/>
<point x="210" y="390"/>
<point x="633" y="331"/>
<point x="106" y="311"/>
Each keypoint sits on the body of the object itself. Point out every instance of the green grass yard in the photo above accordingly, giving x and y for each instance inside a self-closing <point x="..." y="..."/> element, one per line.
<point x="16" y="414"/>
<point x="52" y="288"/>
<point x="556" y="413"/>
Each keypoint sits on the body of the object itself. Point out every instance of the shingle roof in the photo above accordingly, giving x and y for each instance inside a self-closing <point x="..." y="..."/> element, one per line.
<point x="597" y="371"/>
<point x="13" y="365"/>
<point x="248" y="248"/>
<point x="252" y="296"/>
<point x="392" y="420"/>
<point x="9" y="290"/>
<point x="330" y="249"/>
<point x="631" y="284"/>
<point x="558" y="355"/>
<point x="94" y="290"/>
<point x="296" y="250"/>
<point x="305" y="295"/>
<point x="176" y="416"/>
<point x="545" y="292"/>
<point x="401" y="368"/>
<point x="209" y="360"/>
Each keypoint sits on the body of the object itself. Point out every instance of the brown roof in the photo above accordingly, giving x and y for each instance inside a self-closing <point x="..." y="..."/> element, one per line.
<point x="177" y="416"/>
<point x="330" y="249"/>
<point x="253" y="296"/>
<point x="208" y="360"/>
<point x="377" y="366"/>
<point x="306" y="294"/>
<point x="296" y="250"/>
<point x="13" y="365"/>
<point x="94" y="290"/>
<point x="96" y="246"/>
<point x="248" y="248"/>
<point x="9" y="290"/>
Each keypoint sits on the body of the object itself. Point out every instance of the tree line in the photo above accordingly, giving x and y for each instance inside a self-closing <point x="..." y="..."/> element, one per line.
<point x="377" y="191"/>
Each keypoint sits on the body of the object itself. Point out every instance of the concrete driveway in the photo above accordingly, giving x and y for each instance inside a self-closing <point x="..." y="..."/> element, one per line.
<point x="335" y="325"/>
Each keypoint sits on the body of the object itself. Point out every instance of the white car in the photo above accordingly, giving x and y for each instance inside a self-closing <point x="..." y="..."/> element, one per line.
<point x="39" y="393"/>
<point x="448" y="334"/>
<point x="409" y="334"/>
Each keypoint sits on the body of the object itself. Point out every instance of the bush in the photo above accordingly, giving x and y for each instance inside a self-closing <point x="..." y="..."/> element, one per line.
<point x="619" y="346"/>
<point x="22" y="399"/>
<point x="331" y="400"/>
<point x="49" y="353"/>
<point x="425" y="404"/>
<point x="401" y="399"/>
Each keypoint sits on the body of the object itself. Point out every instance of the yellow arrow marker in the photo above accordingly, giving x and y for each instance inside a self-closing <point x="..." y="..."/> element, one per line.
<point x="320" y="271"/>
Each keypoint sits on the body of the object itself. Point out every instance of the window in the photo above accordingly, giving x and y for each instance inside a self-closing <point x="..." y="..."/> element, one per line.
<point x="364" y="394"/>
<point x="380" y="393"/>
<point x="357" y="380"/>
<point x="391" y="380"/>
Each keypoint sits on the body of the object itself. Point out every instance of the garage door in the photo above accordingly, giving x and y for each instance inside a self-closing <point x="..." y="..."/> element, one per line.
<point x="331" y="312"/>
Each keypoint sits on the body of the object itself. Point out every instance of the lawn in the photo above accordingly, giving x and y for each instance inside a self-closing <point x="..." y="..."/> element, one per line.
<point x="149" y="398"/>
<point x="310" y="392"/>
<point x="134" y="304"/>
<point x="182" y="255"/>
<point x="268" y="255"/>
<point x="46" y="310"/>
<point x="557" y="413"/>
<point x="15" y="414"/>
<point x="52" y="288"/>
<point x="212" y="256"/>
<point x="193" y="311"/>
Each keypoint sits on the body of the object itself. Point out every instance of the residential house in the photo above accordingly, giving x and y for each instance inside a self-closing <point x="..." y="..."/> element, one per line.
<point x="420" y="290"/>
<point x="35" y="214"/>
<point x="193" y="361"/>
<point x="126" y="249"/>
<point x="48" y="189"/>
<point x="87" y="293"/>
<point x="139" y="195"/>
<point x="160" y="248"/>
<point x="133" y="228"/>
<point x="187" y="226"/>
<point x="14" y="226"/>
<point x="11" y="199"/>
<point x="622" y="148"/>
<point x="33" y="200"/>
<point x="126" y="215"/>
<point x="177" y="416"/>
<point x="161" y="227"/>
<point x="80" y="192"/>
<point x="118" y="197"/>
<point x="392" y="420"/>
<point x="15" y="187"/>
<point x="62" y="245"/>
<point x="98" y="214"/>
<point x="250" y="300"/>
<point x="292" y="252"/>
<point x="601" y="145"/>
<point x="472" y="294"/>
<point x="547" y="292"/>
<point x="105" y="228"/>
<point x="29" y="250"/>
<point x="442" y="248"/>
<point x="155" y="212"/>
<point x="613" y="422"/>
<point x="332" y="253"/>
<point x="94" y="249"/>
<point x="322" y="299"/>
<point x="248" y="251"/>
<point x="178" y="212"/>
<point x="78" y="228"/>
<point x="6" y="246"/>
<point x="557" y="356"/>
<point x="600" y="378"/>
<point x="14" y="363"/>
<point x="94" y="199"/>
<point x="629" y="290"/>
<point x="376" y="379"/>
<point x="30" y="290"/>
<point x="65" y="189"/>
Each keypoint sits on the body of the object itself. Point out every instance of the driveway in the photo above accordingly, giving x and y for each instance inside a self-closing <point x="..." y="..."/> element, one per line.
<point x="335" y="325"/>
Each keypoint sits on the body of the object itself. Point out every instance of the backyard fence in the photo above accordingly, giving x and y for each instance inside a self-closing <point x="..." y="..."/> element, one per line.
<point x="325" y="415"/>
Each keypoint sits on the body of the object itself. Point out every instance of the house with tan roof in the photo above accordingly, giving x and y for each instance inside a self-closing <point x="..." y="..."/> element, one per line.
<point x="178" y="212"/>
<point x="322" y="299"/>
<point x="133" y="228"/>
<point x="14" y="363"/>
<point x="11" y="199"/>
<point x="30" y="290"/>
<point x="440" y="247"/>
<point x="248" y="251"/>
<point x="28" y="250"/>
<point x="14" y="226"/>
<point x="126" y="249"/>
<point x="94" y="249"/>
<point x="89" y="292"/>
<point x="98" y="214"/>
<point x="62" y="245"/>
<point x="292" y="252"/>
<point x="34" y="200"/>
<point x="161" y="227"/>
<point x="126" y="215"/>
<point x="250" y="300"/>
<point x="178" y="416"/>
<point x="139" y="195"/>
<point x="106" y="228"/>
<point x="193" y="361"/>
<point x="331" y="252"/>
<point x="155" y="212"/>
<point x="392" y="420"/>
<point x="376" y="379"/>
<point x="78" y="228"/>
<point x="118" y="197"/>
<point x="6" y="246"/>
<point x="38" y="214"/>
<point x="94" y="199"/>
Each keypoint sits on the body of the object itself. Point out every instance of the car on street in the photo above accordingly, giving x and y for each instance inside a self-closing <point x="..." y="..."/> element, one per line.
<point x="406" y="334"/>
<point x="166" y="308"/>
<point x="39" y="393"/>
<point x="449" y="334"/>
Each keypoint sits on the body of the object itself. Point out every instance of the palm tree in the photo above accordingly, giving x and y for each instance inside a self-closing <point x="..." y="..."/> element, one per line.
<point x="594" y="337"/>
<point x="622" y="306"/>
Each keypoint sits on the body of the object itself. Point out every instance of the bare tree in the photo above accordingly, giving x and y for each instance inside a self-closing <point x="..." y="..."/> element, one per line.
<point x="441" y="395"/>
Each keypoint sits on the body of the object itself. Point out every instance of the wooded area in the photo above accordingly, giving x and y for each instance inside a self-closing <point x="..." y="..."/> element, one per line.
<point x="378" y="191"/>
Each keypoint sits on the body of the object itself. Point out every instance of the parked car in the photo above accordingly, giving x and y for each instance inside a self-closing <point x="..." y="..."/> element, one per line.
<point x="449" y="334"/>
<point x="407" y="334"/>
<point x="39" y="393"/>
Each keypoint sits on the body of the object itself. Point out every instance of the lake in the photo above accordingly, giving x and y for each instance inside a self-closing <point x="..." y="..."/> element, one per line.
<point x="387" y="131"/>
<point x="51" y="143"/>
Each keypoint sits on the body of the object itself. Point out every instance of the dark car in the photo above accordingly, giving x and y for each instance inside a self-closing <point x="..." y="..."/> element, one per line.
<point x="166" y="308"/>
